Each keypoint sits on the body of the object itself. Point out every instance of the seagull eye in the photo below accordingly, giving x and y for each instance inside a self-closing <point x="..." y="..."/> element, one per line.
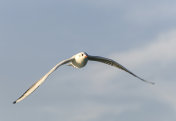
<point x="82" y="54"/>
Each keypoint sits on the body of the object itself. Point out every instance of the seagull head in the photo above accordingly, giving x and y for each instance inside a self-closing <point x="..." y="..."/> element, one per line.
<point x="81" y="56"/>
<point x="81" y="59"/>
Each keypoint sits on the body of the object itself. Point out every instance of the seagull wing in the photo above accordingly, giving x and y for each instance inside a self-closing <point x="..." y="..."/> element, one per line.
<point x="40" y="81"/>
<point x="115" y="64"/>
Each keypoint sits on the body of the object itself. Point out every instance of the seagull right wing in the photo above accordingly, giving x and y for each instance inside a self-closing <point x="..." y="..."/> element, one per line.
<point x="40" y="81"/>
<point x="115" y="64"/>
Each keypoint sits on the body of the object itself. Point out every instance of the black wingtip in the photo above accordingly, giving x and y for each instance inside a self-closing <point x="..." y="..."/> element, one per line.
<point x="152" y="83"/>
<point x="14" y="102"/>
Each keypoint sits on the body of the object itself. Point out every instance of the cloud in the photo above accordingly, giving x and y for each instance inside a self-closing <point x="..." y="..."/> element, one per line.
<point x="88" y="110"/>
<point x="159" y="50"/>
<point x="166" y="93"/>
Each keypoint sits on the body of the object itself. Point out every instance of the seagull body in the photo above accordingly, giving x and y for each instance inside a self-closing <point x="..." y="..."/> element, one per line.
<point x="77" y="61"/>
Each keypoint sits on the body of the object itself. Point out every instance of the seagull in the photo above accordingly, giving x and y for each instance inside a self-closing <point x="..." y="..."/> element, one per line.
<point x="77" y="61"/>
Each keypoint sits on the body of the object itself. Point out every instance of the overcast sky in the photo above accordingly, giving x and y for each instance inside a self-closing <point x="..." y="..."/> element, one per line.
<point x="37" y="34"/>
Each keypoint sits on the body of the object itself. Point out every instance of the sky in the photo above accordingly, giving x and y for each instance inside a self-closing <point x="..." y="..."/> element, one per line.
<point x="35" y="35"/>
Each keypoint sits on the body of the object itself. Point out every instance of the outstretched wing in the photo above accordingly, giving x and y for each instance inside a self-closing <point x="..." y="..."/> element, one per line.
<point x="115" y="64"/>
<point x="40" y="81"/>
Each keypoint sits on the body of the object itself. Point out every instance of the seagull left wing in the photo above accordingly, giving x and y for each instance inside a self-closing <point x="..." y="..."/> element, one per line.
<point x="115" y="64"/>
<point x="40" y="81"/>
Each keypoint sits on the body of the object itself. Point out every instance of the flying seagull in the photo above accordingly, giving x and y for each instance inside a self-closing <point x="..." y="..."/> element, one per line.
<point x="78" y="61"/>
